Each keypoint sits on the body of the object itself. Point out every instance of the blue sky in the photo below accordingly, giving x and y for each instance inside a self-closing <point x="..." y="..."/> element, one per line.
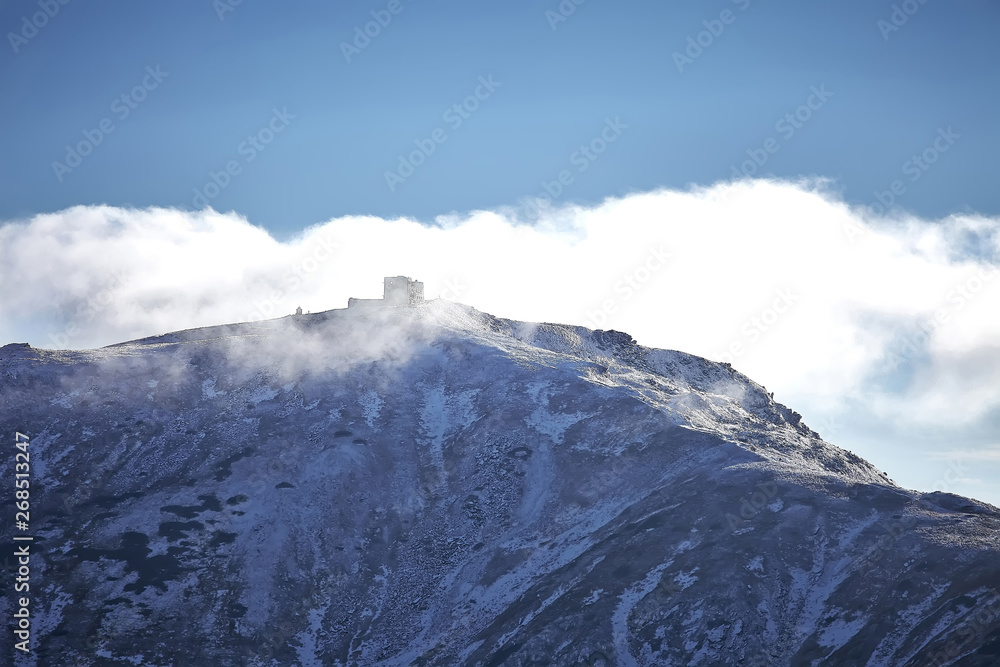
<point x="228" y="70"/>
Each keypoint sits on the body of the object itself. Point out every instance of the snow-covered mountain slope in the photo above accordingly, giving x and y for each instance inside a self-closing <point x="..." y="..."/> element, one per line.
<point x="432" y="485"/>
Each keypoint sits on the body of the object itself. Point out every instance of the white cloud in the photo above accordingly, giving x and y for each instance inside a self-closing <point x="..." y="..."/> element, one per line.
<point x="988" y="453"/>
<point x="896" y="315"/>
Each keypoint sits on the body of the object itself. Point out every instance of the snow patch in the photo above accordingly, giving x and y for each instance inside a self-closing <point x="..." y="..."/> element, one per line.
<point x="208" y="389"/>
<point x="627" y="602"/>
<point x="371" y="405"/>
<point x="262" y="394"/>
<point x="686" y="579"/>
<point x="840" y="632"/>
<point x="548" y="423"/>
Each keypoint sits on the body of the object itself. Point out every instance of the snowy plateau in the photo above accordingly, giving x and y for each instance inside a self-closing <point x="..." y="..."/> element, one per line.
<point x="432" y="485"/>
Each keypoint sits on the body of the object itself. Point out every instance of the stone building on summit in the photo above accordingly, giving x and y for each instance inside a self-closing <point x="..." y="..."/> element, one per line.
<point x="396" y="291"/>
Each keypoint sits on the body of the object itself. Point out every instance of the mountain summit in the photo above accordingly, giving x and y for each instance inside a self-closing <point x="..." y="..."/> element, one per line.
<point x="432" y="485"/>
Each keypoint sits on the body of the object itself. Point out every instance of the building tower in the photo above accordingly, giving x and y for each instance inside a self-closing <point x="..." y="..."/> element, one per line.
<point x="396" y="291"/>
<point x="402" y="291"/>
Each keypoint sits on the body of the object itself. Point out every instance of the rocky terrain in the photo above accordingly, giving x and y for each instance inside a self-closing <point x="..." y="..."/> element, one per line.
<point x="432" y="485"/>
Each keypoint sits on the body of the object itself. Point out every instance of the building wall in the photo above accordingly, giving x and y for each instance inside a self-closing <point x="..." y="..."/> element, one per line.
<point x="396" y="291"/>
<point x="415" y="292"/>
<point x="364" y="303"/>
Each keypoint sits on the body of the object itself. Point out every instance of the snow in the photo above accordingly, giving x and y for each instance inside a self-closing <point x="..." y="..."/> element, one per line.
<point x="445" y="487"/>
<point x="262" y="394"/>
<point x="627" y="602"/>
<point x="837" y="633"/>
<point x="208" y="388"/>
<point x="371" y="405"/>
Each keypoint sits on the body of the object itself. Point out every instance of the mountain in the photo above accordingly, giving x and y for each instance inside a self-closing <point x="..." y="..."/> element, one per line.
<point x="432" y="485"/>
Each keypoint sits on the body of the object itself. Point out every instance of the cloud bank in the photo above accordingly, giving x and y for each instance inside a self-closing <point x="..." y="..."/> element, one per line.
<point x="838" y="311"/>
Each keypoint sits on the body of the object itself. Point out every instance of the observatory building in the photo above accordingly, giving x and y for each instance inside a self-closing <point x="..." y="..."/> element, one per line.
<point x="396" y="291"/>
